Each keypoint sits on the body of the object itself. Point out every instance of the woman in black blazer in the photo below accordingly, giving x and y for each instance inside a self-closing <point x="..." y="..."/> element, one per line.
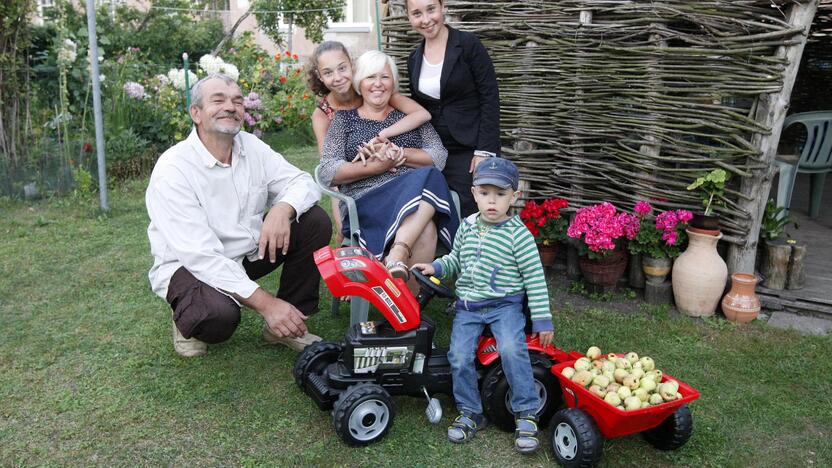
<point x="451" y="75"/>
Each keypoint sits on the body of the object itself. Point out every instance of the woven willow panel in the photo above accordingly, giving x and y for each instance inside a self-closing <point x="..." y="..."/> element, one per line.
<point x="633" y="105"/>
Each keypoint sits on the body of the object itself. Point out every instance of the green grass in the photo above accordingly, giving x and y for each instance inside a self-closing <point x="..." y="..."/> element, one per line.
<point x="88" y="375"/>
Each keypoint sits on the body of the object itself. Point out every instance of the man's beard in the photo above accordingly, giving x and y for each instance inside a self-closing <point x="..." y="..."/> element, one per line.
<point x="226" y="128"/>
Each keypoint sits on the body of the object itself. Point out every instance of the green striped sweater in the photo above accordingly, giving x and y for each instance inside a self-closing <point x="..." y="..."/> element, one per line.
<point x="503" y="263"/>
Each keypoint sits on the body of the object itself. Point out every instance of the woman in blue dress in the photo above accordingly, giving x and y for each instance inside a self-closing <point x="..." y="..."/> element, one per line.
<point x="403" y="201"/>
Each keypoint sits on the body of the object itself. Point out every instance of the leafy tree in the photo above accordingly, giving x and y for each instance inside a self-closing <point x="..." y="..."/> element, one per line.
<point x="14" y="38"/>
<point x="311" y="15"/>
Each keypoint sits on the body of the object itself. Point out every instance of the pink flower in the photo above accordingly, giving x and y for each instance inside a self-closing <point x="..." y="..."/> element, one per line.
<point x="643" y="208"/>
<point x="684" y="215"/>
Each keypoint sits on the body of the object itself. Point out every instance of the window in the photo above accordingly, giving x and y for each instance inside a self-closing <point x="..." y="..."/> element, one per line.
<point x="357" y="17"/>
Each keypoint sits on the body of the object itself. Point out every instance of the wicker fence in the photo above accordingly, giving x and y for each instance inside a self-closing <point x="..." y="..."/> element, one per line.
<point x="629" y="100"/>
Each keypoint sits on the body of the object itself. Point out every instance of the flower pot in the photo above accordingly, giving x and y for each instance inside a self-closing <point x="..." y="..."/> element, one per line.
<point x="741" y="304"/>
<point x="605" y="271"/>
<point x="656" y="269"/>
<point x="699" y="276"/>
<point x="548" y="253"/>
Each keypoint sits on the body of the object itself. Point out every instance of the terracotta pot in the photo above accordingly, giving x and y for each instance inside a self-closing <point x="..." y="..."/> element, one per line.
<point x="741" y="304"/>
<point x="605" y="271"/>
<point x="656" y="269"/>
<point x="547" y="253"/>
<point x="699" y="276"/>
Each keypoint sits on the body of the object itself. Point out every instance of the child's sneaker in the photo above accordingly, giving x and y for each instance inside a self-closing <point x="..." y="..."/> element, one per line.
<point x="464" y="427"/>
<point x="525" y="436"/>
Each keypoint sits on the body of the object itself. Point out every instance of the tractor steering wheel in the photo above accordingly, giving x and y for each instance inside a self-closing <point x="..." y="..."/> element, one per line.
<point x="435" y="288"/>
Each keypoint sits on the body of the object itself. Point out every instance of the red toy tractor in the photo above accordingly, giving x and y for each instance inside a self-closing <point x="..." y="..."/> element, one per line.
<point x="356" y="377"/>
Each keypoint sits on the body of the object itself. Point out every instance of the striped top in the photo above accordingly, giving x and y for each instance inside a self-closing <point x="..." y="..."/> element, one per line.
<point x="501" y="263"/>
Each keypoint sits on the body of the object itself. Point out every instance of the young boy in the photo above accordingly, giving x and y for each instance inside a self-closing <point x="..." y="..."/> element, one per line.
<point x="496" y="261"/>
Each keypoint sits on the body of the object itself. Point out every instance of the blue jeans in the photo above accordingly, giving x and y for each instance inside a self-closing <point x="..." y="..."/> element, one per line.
<point x="507" y="324"/>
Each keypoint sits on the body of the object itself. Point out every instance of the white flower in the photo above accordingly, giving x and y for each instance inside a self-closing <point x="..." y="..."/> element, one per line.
<point x="210" y="64"/>
<point x="67" y="53"/>
<point x="230" y="70"/>
<point x="177" y="78"/>
<point x="101" y="78"/>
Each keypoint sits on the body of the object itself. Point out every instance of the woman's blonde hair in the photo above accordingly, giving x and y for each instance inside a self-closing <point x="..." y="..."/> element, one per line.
<point x="371" y="62"/>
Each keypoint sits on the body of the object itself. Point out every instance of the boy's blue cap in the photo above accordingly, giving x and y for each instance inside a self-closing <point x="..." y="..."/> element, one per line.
<point x="497" y="171"/>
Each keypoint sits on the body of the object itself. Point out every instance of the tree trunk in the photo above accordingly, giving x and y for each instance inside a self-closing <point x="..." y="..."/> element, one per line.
<point x="231" y="32"/>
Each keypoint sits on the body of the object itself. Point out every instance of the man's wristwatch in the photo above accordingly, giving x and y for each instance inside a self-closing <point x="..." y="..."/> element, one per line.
<point x="484" y="154"/>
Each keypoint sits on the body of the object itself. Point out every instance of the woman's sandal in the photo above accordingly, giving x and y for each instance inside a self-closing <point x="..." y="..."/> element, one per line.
<point x="399" y="270"/>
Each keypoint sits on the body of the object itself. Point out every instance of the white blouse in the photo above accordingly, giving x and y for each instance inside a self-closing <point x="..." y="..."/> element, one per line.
<point x="429" y="78"/>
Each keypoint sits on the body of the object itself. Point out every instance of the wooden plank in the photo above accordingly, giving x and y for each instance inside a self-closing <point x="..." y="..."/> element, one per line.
<point x="778" y="303"/>
<point x="771" y="111"/>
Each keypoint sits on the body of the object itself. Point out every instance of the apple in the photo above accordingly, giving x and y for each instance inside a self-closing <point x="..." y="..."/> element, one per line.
<point x="624" y="392"/>
<point x="656" y="399"/>
<point x="647" y="363"/>
<point x="601" y="381"/>
<point x="612" y="398"/>
<point x="647" y="384"/>
<point x="582" y="377"/>
<point x="568" y="372"/>
<point x="641" y="394"/>
<point x="632" y="403"/>
<point x="632" y="357"/>
<point x="597" y="391"/>
<point x="620" y="374"/>
<point x="608" y="366"/>
<point x="630" y="381"/>
<point x="582" y="364"/>
<point x="593" y="353"/>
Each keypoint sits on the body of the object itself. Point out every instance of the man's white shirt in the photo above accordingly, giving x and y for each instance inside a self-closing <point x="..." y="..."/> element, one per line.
<point x="207" y="216"/>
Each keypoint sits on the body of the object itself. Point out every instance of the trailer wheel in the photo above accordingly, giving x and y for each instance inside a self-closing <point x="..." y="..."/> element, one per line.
<point x="576" y="440"/>
<point x="363" y="414"/>
<point x="314" y="359"/>
<point x="673" y="432"/>
<point x="496" y="393"/>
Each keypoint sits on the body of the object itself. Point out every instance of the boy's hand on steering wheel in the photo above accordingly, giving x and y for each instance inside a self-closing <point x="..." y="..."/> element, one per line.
<point x="546" y="338"/>
<point x="426" y="268"/>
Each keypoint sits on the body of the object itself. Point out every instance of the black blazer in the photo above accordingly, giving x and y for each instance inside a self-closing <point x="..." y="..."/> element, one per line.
<point x="469" y="97"/>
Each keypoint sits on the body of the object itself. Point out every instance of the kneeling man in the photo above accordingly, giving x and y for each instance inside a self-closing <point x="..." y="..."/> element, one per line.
<point x="210" y="239"/>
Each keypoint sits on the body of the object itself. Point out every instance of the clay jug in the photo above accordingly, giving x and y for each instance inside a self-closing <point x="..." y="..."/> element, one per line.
<point x="741" y="304"/>
<point x="699" y="276"/>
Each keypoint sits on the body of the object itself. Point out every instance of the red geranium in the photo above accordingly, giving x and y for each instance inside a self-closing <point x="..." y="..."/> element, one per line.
<point x="544" y="220"/>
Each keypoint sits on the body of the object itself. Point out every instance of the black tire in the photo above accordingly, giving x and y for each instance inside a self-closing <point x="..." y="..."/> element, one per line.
<point x="363" y="414"/>
<point x="673" y="432"/>
<point x="495" y="393"/>
<point x="314" y="359"/>
<point x="575" y="438"/>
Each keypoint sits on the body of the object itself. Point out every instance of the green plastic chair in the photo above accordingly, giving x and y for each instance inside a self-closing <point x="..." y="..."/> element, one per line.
<point x="359" y="307"/>
<point x="815" y="158"/>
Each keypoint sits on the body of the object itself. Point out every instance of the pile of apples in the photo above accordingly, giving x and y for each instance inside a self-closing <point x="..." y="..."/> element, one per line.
<point x="628" y="383"/>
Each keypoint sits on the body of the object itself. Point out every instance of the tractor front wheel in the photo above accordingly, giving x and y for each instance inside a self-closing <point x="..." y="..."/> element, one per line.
<point x="363" y="414"/>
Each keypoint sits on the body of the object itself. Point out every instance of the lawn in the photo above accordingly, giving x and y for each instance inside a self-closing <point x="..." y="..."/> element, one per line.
<point x="88" y="375"/>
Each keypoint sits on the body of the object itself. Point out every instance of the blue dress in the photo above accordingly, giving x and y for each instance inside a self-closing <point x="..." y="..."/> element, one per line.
<point x="385" y="200"/>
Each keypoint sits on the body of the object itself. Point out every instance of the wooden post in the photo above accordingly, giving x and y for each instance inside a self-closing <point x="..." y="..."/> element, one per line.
<point x="771" y="111"/>
<point x="573" y="270"/>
